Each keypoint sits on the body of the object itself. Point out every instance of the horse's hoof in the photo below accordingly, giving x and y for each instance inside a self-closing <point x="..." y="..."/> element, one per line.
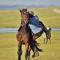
<point x="37" y="53"/>
<point x="33" y="56"/>
<point x="41" y="50"/>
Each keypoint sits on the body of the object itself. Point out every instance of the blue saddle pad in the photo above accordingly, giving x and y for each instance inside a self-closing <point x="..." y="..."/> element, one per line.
<point x="35" y="29"/>
<point x="34" y="21"/>
<point x="34" y="25"/>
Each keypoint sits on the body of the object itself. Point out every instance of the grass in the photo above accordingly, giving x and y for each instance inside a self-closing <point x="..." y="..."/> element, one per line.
<point x="9" y="18"/>
<point x="48" y="17"/>
<point x="8" y="43"/>
<point x="12" y="18"/>
<point x="8" y="47"/>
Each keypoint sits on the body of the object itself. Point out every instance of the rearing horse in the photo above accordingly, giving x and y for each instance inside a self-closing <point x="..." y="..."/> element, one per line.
<point x="24" y="36"/>
<point x="44" y="29"/>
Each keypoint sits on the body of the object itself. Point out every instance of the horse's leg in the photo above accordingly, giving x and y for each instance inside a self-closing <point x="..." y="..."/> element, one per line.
<point x="47" y="38"/>
<point x="27" y="53"/>
<point x="34" y="48"/>
<point x="29" y="49"/>
<point x="19" y="50"/>
<point x="46" y="41"/>
<point x="35" y="53"/>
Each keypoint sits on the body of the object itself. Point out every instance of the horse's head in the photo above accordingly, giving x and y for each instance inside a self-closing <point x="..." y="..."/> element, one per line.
<point x="24" y="15"/>
<point x="22" y="11"/>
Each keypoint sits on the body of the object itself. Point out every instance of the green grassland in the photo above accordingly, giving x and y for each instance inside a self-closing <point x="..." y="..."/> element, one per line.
<point x="8" y="42"/>
<point x="9" y="18"/>
<point x="12" y="18"/>
<point x="8" y="47"/>
<point x="48" y="16"/>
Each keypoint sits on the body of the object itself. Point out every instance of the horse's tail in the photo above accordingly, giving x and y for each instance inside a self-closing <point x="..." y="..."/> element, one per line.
<point x="36" y="46"/>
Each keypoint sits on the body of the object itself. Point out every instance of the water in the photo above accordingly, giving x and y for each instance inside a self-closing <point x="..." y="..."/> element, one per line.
<point x="55" y="29"/>
<point x="14" y="30"/>
<point x="8" y="30"/>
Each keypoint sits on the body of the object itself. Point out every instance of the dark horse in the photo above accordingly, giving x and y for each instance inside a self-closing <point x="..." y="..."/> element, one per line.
<point x="44" y="29"/>
<point x="48" y="36"/>
<point x="47" y="31"/>
<point x="24" y="36"/>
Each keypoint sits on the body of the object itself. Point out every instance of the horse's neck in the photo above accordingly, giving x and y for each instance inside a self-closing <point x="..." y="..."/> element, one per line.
<point x="24" y="26"/>
<point x="44" y="29"/>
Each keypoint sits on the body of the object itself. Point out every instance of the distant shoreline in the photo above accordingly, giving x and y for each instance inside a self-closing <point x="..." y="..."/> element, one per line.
<point x="14" y="30"/>
<point x="31" y="6"/>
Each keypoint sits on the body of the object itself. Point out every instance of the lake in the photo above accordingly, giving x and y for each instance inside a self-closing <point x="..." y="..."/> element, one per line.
<point x="14" y="30"/>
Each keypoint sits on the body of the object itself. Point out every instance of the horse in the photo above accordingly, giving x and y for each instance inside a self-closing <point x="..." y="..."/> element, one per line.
<point x="24" y="36"/>
<point x="45" y="30"/>
<point x="48" y="37"/>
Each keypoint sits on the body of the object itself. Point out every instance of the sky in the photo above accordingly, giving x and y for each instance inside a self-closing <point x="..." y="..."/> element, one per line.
<point x="28" y="2"/>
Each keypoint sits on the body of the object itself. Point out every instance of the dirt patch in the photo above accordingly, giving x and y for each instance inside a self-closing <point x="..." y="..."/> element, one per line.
<point x="56" y="10"/>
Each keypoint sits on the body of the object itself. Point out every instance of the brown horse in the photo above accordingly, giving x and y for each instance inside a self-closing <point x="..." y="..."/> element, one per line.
<point x="24" y="36"/>
<point x="44" y="29"/>
<point x="30" y="46"/>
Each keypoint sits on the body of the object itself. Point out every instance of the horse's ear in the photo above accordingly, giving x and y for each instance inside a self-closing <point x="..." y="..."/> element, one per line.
<point x="19" y="9"/>
<point x="26" y="9"/>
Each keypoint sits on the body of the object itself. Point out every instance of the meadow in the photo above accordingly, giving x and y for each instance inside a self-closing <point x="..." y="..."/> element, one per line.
<point x="8" y="42"/>
<point x="12" y="18"/>
<point x="8" y="47"/>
